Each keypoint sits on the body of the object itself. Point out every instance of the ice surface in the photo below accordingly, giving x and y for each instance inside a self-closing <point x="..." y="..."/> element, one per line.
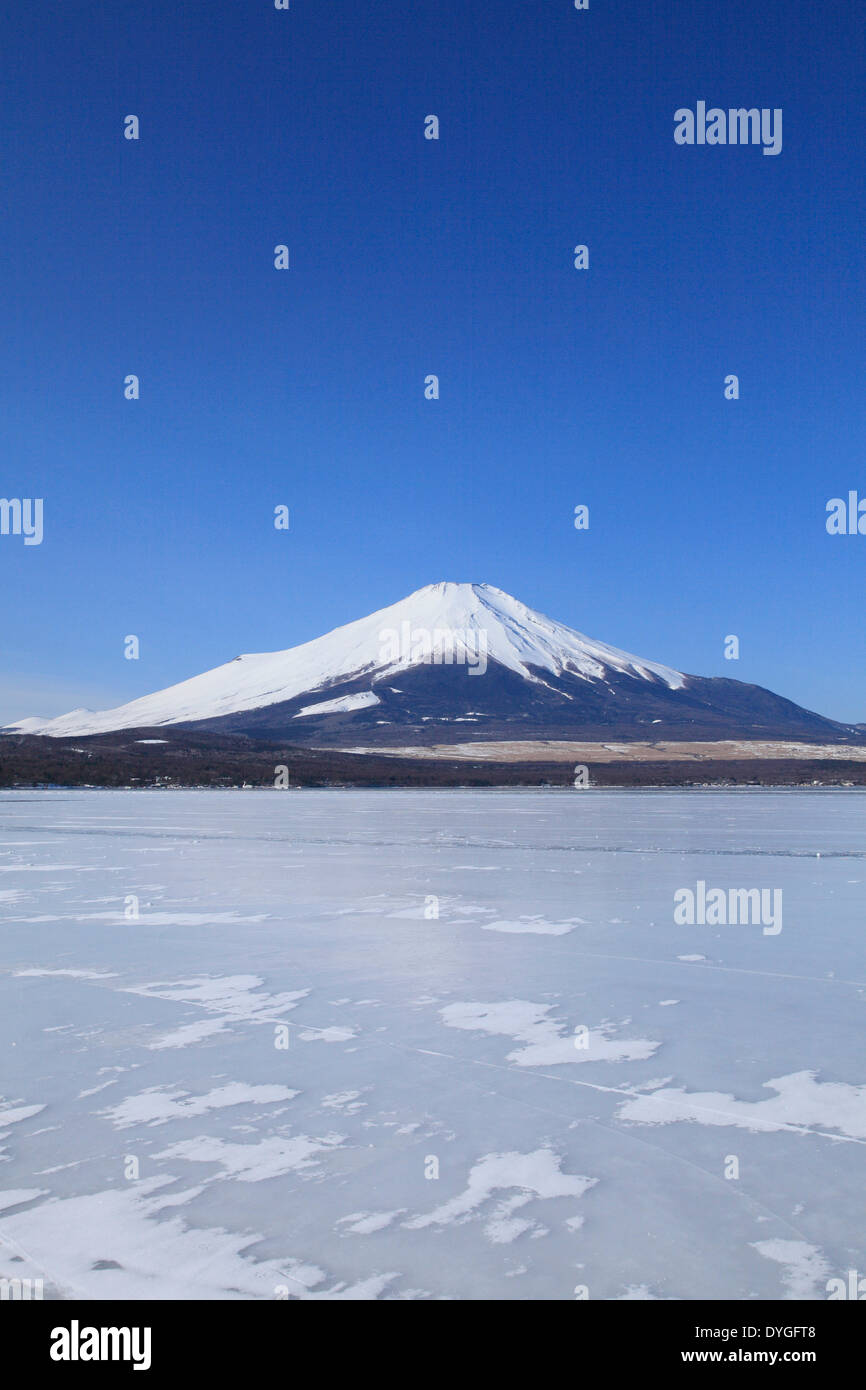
<point x="429" y="1044"/>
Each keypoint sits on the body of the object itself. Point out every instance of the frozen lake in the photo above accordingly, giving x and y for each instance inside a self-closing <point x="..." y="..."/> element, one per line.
<point x="431" y="1044"/>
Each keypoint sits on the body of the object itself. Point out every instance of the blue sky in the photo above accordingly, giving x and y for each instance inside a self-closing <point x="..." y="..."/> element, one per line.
<point x="306" y="387"/>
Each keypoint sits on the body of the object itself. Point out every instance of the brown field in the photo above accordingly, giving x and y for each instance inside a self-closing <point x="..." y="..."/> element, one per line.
<point x="554" y="751"/>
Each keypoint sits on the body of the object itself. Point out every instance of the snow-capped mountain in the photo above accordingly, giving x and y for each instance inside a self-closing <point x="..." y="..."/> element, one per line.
<point x="450" y="662"/>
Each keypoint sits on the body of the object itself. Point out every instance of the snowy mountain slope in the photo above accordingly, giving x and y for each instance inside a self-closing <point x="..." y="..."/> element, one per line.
<point x="469" y="661"/>
<point x="516" y="637"/>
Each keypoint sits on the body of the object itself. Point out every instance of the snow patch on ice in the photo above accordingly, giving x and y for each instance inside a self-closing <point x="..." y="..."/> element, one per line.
<point x="536" y="926"/>
<point x="805" y="1269"/>
<point x="366" y="1223"/>
<point x="16" y="1198"/>
<point x="231" y="998"/>
<point x="70" y="974"/>
<point x="349" y="1102"/>
<point x="548" y="1042"/>
<point x="155" y="1106"/>
<point x="269" y="1158"/>
<point x="14" y="1116"/>
<point x="154" y="919"/>
<point x="529" y="1175"/>
<point x="121" y="1244"/>
<point x="801" y="1102"/>
<point x="327" y="1035"/>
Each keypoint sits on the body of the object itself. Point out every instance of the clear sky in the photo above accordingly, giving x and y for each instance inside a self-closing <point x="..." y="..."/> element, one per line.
<point x="409" y="256"/>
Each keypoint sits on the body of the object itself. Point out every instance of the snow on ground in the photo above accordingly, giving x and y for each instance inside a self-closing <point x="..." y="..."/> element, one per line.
<point x="507" y="1105"/>
<point x="539" y="925"/>
<point x="363" y="700"/>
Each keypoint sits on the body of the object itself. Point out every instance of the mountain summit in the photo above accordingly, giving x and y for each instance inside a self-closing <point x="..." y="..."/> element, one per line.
<point x="452" y="661"/>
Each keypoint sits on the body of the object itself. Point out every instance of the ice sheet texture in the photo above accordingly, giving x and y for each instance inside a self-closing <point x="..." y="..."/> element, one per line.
<point x="429" y="1044"/>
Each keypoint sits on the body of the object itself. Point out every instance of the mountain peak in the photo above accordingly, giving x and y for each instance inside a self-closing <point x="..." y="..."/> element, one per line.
<point x="444" y="623"/>
<point x="452" y="659"/>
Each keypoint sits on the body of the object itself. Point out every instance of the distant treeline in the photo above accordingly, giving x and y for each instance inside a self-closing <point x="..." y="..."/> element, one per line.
<point x="120" y="760"/>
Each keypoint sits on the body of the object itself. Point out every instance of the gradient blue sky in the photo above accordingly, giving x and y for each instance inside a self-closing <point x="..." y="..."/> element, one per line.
<point x="408" y="257"/>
